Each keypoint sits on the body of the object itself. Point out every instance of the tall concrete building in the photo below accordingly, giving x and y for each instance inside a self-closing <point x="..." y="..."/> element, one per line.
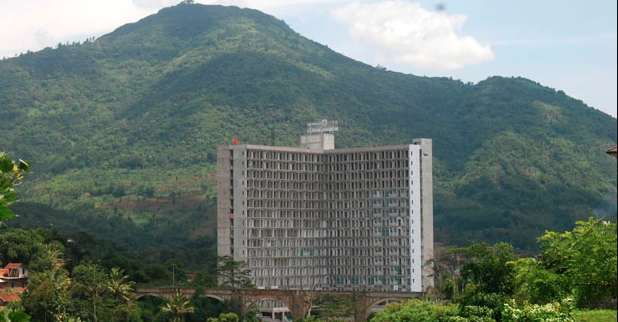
<point x="316" y="217"/>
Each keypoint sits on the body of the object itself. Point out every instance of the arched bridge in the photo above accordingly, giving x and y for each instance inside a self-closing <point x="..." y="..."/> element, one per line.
<point x="298" y="301"/>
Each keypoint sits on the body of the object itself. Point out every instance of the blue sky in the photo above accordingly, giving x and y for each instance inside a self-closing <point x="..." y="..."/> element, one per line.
<point x="567" y="45"/>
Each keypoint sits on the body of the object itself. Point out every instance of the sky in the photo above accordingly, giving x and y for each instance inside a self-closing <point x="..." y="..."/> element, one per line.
<point x="567" y="45"/>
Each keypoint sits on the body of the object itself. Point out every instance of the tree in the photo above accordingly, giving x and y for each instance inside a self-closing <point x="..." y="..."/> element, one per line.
<point x="487" y="268"/>
<point x="233" y="274"/>
<point x="119" y="286"/>
<point x="535" y="285"/>
<point x="178" y="306"/>
<point x="91" y="286"/>
<point x="11" y="173"/>
<point x="334" y="306"/>
<point x="446" y="266"/>
<point x="488" y="277"/>
<point x="307" y="295"/>
<point x="48" y="296"/>
<point x="128" y="312"/>
<point x="49" y="257"/>
<point x="586" y="259"/>
<point x="18" y="245"/>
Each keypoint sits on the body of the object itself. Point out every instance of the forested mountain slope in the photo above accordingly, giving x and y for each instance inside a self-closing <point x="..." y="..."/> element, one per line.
<point x="122" y="131"/>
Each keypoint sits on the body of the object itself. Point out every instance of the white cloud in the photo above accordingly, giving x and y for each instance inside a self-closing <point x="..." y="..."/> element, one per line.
<point x="35" y="24"/>
<point x="404" y="32"/>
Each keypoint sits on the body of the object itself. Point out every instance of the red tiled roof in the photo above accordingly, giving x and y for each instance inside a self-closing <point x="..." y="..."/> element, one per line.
<point x="12" y="265"/>
<point x="7" y="297"/>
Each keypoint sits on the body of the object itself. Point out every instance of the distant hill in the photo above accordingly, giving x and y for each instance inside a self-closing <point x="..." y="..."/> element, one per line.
<point x="122" y="130"/>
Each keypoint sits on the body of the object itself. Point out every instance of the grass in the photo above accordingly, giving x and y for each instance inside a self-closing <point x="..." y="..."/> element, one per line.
<point x="595" y="315"/>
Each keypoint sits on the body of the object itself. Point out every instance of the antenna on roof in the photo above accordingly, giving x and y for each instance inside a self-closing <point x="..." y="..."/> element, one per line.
<point x="324" y="126"/>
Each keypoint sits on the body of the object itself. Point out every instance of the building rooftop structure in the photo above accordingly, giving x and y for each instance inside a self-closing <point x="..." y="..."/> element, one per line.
<point x="316" y="217"/>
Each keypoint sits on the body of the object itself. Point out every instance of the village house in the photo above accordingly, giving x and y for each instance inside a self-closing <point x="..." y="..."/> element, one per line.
<point x="13" y="280"/>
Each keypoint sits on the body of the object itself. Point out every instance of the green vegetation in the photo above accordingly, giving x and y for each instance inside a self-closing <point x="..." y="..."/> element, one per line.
<point x="11" y="174"/>
<point x="494" y="285"/>
<point x="224" y="317"/>
<point x="233" y="274"/>
<point x="177" y="307"/>
<point x="595" y="315"/>
<point x="65" y="283"/>
<point x="585" y="259"/>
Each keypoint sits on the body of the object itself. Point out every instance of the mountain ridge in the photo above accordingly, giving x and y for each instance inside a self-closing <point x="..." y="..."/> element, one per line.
<point x="118" y="118"/>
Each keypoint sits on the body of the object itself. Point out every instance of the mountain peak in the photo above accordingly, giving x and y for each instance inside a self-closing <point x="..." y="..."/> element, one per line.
<point x="185" y="21"/>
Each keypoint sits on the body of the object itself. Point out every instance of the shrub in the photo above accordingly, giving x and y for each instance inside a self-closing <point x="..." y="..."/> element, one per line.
<point x="526" y="312"/>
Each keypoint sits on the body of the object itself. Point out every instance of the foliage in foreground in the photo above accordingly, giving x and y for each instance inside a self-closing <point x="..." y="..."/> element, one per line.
<point x="423" y="311"/>
<point x="576" y="269"/>
<point x="11" y="173"/>
<point x="415" y="310"/>
<point x="585" y="258"/>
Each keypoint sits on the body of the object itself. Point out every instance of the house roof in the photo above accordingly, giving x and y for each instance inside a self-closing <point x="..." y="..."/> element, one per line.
<point x="12" y="265"/>
<point x="611" y="152"/>
<point x="7" y="297"/>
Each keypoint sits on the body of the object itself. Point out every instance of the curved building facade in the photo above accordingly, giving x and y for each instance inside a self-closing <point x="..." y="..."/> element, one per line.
<point x="315" y="217"/>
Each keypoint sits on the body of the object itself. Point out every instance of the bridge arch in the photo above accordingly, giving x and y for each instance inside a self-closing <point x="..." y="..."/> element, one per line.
<point x="214" y="297"/>
<point x="386" y="300"/>
<point x="377" y="303"/>
<point x="147" y="295"/>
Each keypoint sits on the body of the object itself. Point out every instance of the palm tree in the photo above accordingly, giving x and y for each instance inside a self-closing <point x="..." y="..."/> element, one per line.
<point x="178" y="306"/>
<point x="120" y="286"/>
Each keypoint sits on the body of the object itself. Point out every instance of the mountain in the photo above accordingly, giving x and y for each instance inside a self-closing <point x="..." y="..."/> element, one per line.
<point x="122" y="130"/>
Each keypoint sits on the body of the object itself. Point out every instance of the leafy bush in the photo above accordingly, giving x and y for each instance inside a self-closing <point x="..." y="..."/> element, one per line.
<point x="586" y="259"/>
<point x="417" y="311"/>
<point x="492" y="301"/>
<point x="526" y="312"/>
<point x="472" y="314"/>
